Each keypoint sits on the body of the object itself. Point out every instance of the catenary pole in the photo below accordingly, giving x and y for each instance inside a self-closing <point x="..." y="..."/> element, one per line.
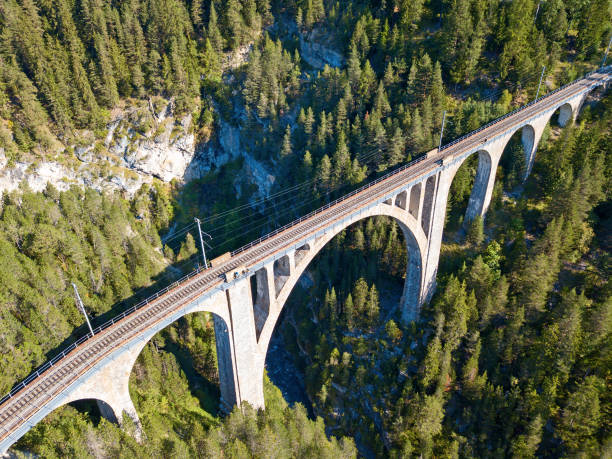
<point x="81" y="307"/>
<point x="197" y="220"/>
<point x="442" y="130"/>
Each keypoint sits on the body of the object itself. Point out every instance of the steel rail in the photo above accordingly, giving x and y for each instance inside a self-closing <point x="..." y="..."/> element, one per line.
<point x="43" y="385"/>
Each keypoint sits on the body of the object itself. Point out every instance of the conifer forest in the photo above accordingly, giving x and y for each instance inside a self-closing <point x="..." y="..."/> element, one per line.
<point x="286" y="105"/>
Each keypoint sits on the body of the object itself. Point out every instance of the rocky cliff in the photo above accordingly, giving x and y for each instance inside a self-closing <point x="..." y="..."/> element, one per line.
<point x="143" y="142"/>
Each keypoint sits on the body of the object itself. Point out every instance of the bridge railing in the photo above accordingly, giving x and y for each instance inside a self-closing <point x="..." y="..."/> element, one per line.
<point x="327" y="206"/>
<point x="44" y="367"/>
<point x="40" y="370"/>
<point x="509" y="114"/>
<point x="404" y="167"/>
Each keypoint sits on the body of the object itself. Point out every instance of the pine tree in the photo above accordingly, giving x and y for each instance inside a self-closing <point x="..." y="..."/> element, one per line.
<point x="286" y="148"/>
<point x="430" y="368"/>
<point x="526" y="444"/>
<point x="324" y="172"/>
<point x="321" y="136"/>
<point x="341" y="162"/>
<point x="318" y="10"/>
<point x="360" y="296"/>
<point x="212" y="31"/>
<point x="251" y="18"/>
<point x="341" y="115"/>
<point x="372" y="309"/>
<point x="396" y="149"/>
<point x="349" y="312"/>
<point x="306" y="171"/>
<point x="358" y="239"/>
<point x="234" y="23"/>
<point x="196" y="14"/>
<point x="354" y="68"/>
<point x="211" y="66"/>
<point x="393" y="331"/>
<point x="308" y="124"/>
<point x="580" y="418"/>
<point x="381" y="102"/>
<point x="475" y="235"/>
<point x="358" y="173"/>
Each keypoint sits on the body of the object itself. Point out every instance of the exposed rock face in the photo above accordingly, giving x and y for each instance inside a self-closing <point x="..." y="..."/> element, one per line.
<point x="236" y="58"/>
<point x="165" y="156"/>
<point x="129" y="158"/>
<point x="256" y="173"/>
<point x="36" y="176"/>
<point x="317" y="53"/>
<point x="211" y="155"/>
<point x="143" y="141"/>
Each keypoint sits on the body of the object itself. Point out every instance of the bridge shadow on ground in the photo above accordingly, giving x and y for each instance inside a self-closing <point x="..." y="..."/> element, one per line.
<point x="165" y="278"/>
<point x="207" y="392"/>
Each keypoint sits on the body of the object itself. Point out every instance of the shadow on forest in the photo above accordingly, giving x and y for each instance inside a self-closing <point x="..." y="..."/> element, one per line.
<point x="206" y="391"/>
<point x="165" y="278"/>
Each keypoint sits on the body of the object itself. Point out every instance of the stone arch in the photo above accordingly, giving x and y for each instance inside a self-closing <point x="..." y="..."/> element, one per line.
<point x="566" y="113"/>
<point x="107" y="381"/>
<point x="480" y="196"/>
<point x="530" y="133"/>
<point x="214" y="304"/>
<point x="413" y="292"/>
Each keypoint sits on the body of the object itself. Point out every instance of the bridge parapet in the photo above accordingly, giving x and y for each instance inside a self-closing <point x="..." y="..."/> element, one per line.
<point x="416" y="194"/>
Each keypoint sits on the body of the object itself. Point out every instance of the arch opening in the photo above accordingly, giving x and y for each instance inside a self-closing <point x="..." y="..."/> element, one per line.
<point x="400" y="200"/>
<point x="563" y="115"/>
<point x="260" y="293"/>
<point x="515" y="159"/>
<point x="468" y="197"/>
<point x="95" y="409"/>
<point x="428" y="201"/>
<point x="185" y="358"/>
<point x="415" y="201"/>
<point x="282" y="271"/>
<point x="301" y="253"/>
<point x="352" y="262"/>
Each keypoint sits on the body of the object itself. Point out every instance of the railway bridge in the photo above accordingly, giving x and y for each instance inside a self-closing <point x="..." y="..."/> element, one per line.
<point x="246" y="291"/>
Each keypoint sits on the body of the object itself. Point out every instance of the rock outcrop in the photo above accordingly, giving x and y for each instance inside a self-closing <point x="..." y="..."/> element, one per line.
<point x="141" y="144"/>
<point x="317" y="52"/>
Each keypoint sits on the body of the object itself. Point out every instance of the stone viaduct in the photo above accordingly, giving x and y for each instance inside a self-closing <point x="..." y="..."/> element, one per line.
<point x="246" y="292"/>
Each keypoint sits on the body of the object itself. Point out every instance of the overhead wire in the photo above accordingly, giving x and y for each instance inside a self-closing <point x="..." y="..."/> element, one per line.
<point x="366" y="155"/>
<point x="274" y="209"/>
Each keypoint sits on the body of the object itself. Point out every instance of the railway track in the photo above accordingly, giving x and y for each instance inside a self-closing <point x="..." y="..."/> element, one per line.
<point x="24" y="403"/>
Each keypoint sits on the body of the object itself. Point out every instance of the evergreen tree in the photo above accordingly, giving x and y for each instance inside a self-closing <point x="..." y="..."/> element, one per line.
<point x="286" y="148"/>
<point x="475" y="235"/>
<point x="212" y="30"/>
<point x="341" y="162"/>
<point x="324" y="173"/>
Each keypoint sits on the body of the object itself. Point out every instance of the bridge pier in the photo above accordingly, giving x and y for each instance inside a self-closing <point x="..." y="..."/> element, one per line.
<point x="239" y="350"/>
<point x="434" y="237"/>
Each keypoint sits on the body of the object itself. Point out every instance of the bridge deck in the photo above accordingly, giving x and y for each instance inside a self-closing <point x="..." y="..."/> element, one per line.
<point x="23" y="404"/>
